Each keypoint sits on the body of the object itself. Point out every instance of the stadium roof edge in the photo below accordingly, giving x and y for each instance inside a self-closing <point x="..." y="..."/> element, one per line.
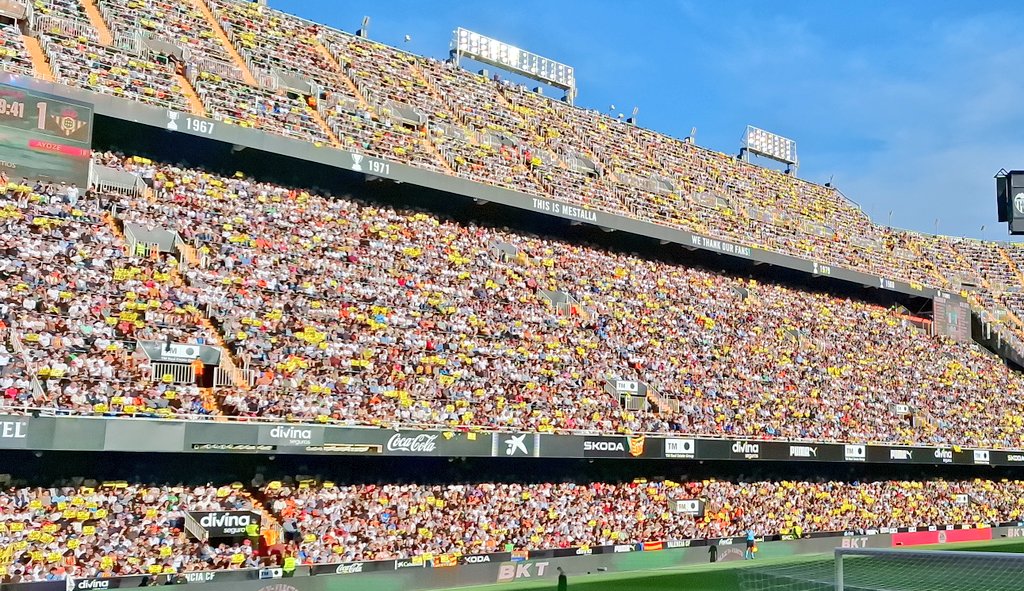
<point x="665" y="135"/>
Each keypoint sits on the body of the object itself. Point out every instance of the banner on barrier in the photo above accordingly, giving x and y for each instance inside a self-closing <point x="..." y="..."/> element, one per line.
<point x="123" y="434"/>
<point x="941" y="536"/>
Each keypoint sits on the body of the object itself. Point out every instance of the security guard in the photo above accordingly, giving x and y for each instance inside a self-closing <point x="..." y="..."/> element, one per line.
<point x="252" y="531"/>
<point x="289" y="566"/>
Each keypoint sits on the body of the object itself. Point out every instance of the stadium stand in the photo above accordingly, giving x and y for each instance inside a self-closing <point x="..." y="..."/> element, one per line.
<point x="91" y="529"/>
<point x="335" y="310"/>
<point x="178" y="23"/>
<point x="80" y="301"/>
<point x="14" y="55"/>
<point x="65" y="10"/>
<point x="112" y="71"/>
<point x="238" y="104"/>
<point x="313" y="83"/>
<point x="456" y="334"/>
<point x="365" y="522"/>
<point x="87" y="529"/>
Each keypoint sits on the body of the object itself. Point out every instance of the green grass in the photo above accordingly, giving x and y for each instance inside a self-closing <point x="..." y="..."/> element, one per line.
<point x="725" y="576"/>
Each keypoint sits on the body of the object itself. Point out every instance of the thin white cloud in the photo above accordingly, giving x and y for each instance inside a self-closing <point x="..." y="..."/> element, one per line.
<point x="919" y="131"/>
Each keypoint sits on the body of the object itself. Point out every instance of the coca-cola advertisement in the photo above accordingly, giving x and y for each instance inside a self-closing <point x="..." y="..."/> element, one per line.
<point x="422" y="443"/>
<point x="405" y="442"/>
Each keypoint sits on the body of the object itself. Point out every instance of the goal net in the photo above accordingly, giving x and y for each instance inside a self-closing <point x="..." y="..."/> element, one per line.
<point x="892" y="570"/>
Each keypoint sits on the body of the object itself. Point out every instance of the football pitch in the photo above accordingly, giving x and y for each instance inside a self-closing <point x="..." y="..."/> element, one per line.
<point x="728" y="576"/>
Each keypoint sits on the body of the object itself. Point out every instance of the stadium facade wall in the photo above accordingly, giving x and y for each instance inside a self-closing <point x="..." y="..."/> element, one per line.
<point x="180" y="122"/>
<point x="405" y="575"/>
<point x="109" y="434"/>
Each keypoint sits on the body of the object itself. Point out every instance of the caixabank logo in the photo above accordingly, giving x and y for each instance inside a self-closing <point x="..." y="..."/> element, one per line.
<point x="981" y="456"/>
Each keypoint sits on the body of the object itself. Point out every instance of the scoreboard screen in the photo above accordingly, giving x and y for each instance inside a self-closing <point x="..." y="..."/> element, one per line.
<point x="44" y="137"/>
<point x="952" y="318"/>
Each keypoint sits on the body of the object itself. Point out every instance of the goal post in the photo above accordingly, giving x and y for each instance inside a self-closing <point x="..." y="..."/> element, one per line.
<point x="866" y="569"/>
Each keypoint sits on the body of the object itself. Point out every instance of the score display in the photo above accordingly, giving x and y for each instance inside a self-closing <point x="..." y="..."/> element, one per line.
<point x="44" y="137"/>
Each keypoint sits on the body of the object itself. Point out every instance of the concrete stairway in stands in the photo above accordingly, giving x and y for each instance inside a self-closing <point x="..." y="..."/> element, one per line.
<point x="315" y="114"/>
<point x="205" y="394"/>
<point x="218" y="31"/>
<point x="40" y="64"/>
<point x="333" y="61"/>
<point x="92" y="11"/>
<point x="194" y="103"/>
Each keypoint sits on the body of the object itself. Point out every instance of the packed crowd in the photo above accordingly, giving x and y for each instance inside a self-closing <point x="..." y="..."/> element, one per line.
<point x="377" y="522"/>
<point x="89" y="529"/>
<point x="178" y="23"/>
<point x="313" y="83"/>
<point x="88" y="64"/>
<point x="13" y="54"/>
<point x="112" y="529"/>
<point x="382" y="101"/>
<point x="77" y="301"/>
<point x="68" y="11"/>
<point x="288" y="115"/>
<point x="354" y="313"/>
<point x="355" y="358"/>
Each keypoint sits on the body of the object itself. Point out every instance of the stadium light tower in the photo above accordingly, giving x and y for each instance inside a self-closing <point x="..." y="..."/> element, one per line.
<point x="512" y="59"/>
<point x="763" y="143"/>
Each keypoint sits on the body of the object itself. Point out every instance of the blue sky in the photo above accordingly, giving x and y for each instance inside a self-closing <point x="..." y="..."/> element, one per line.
<point x="910" y="106"/>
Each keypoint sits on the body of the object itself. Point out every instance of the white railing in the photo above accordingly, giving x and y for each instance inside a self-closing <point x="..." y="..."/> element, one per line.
<point x="198" y="65"/>
<point x="181" y="373"/>
<point x="192" y="526"/>
<point x="129" y="40"/>
<point x="19" y="349"/>
<point x="266" y="80"/>
<point x="65" y="27"/>
<point x="111" y="180"/>
<point x="190" y="255"/>
<point x="228" y="375"/>
<point x="37" y="389"/>
<point x="137" y="248"/>
<point x="661" y="402"/>
<point x="30" y="15"/>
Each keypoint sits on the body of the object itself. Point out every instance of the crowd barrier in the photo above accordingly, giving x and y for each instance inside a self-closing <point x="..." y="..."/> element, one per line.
<point x="124" y="433"/>
<point x="535" y="566"/>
